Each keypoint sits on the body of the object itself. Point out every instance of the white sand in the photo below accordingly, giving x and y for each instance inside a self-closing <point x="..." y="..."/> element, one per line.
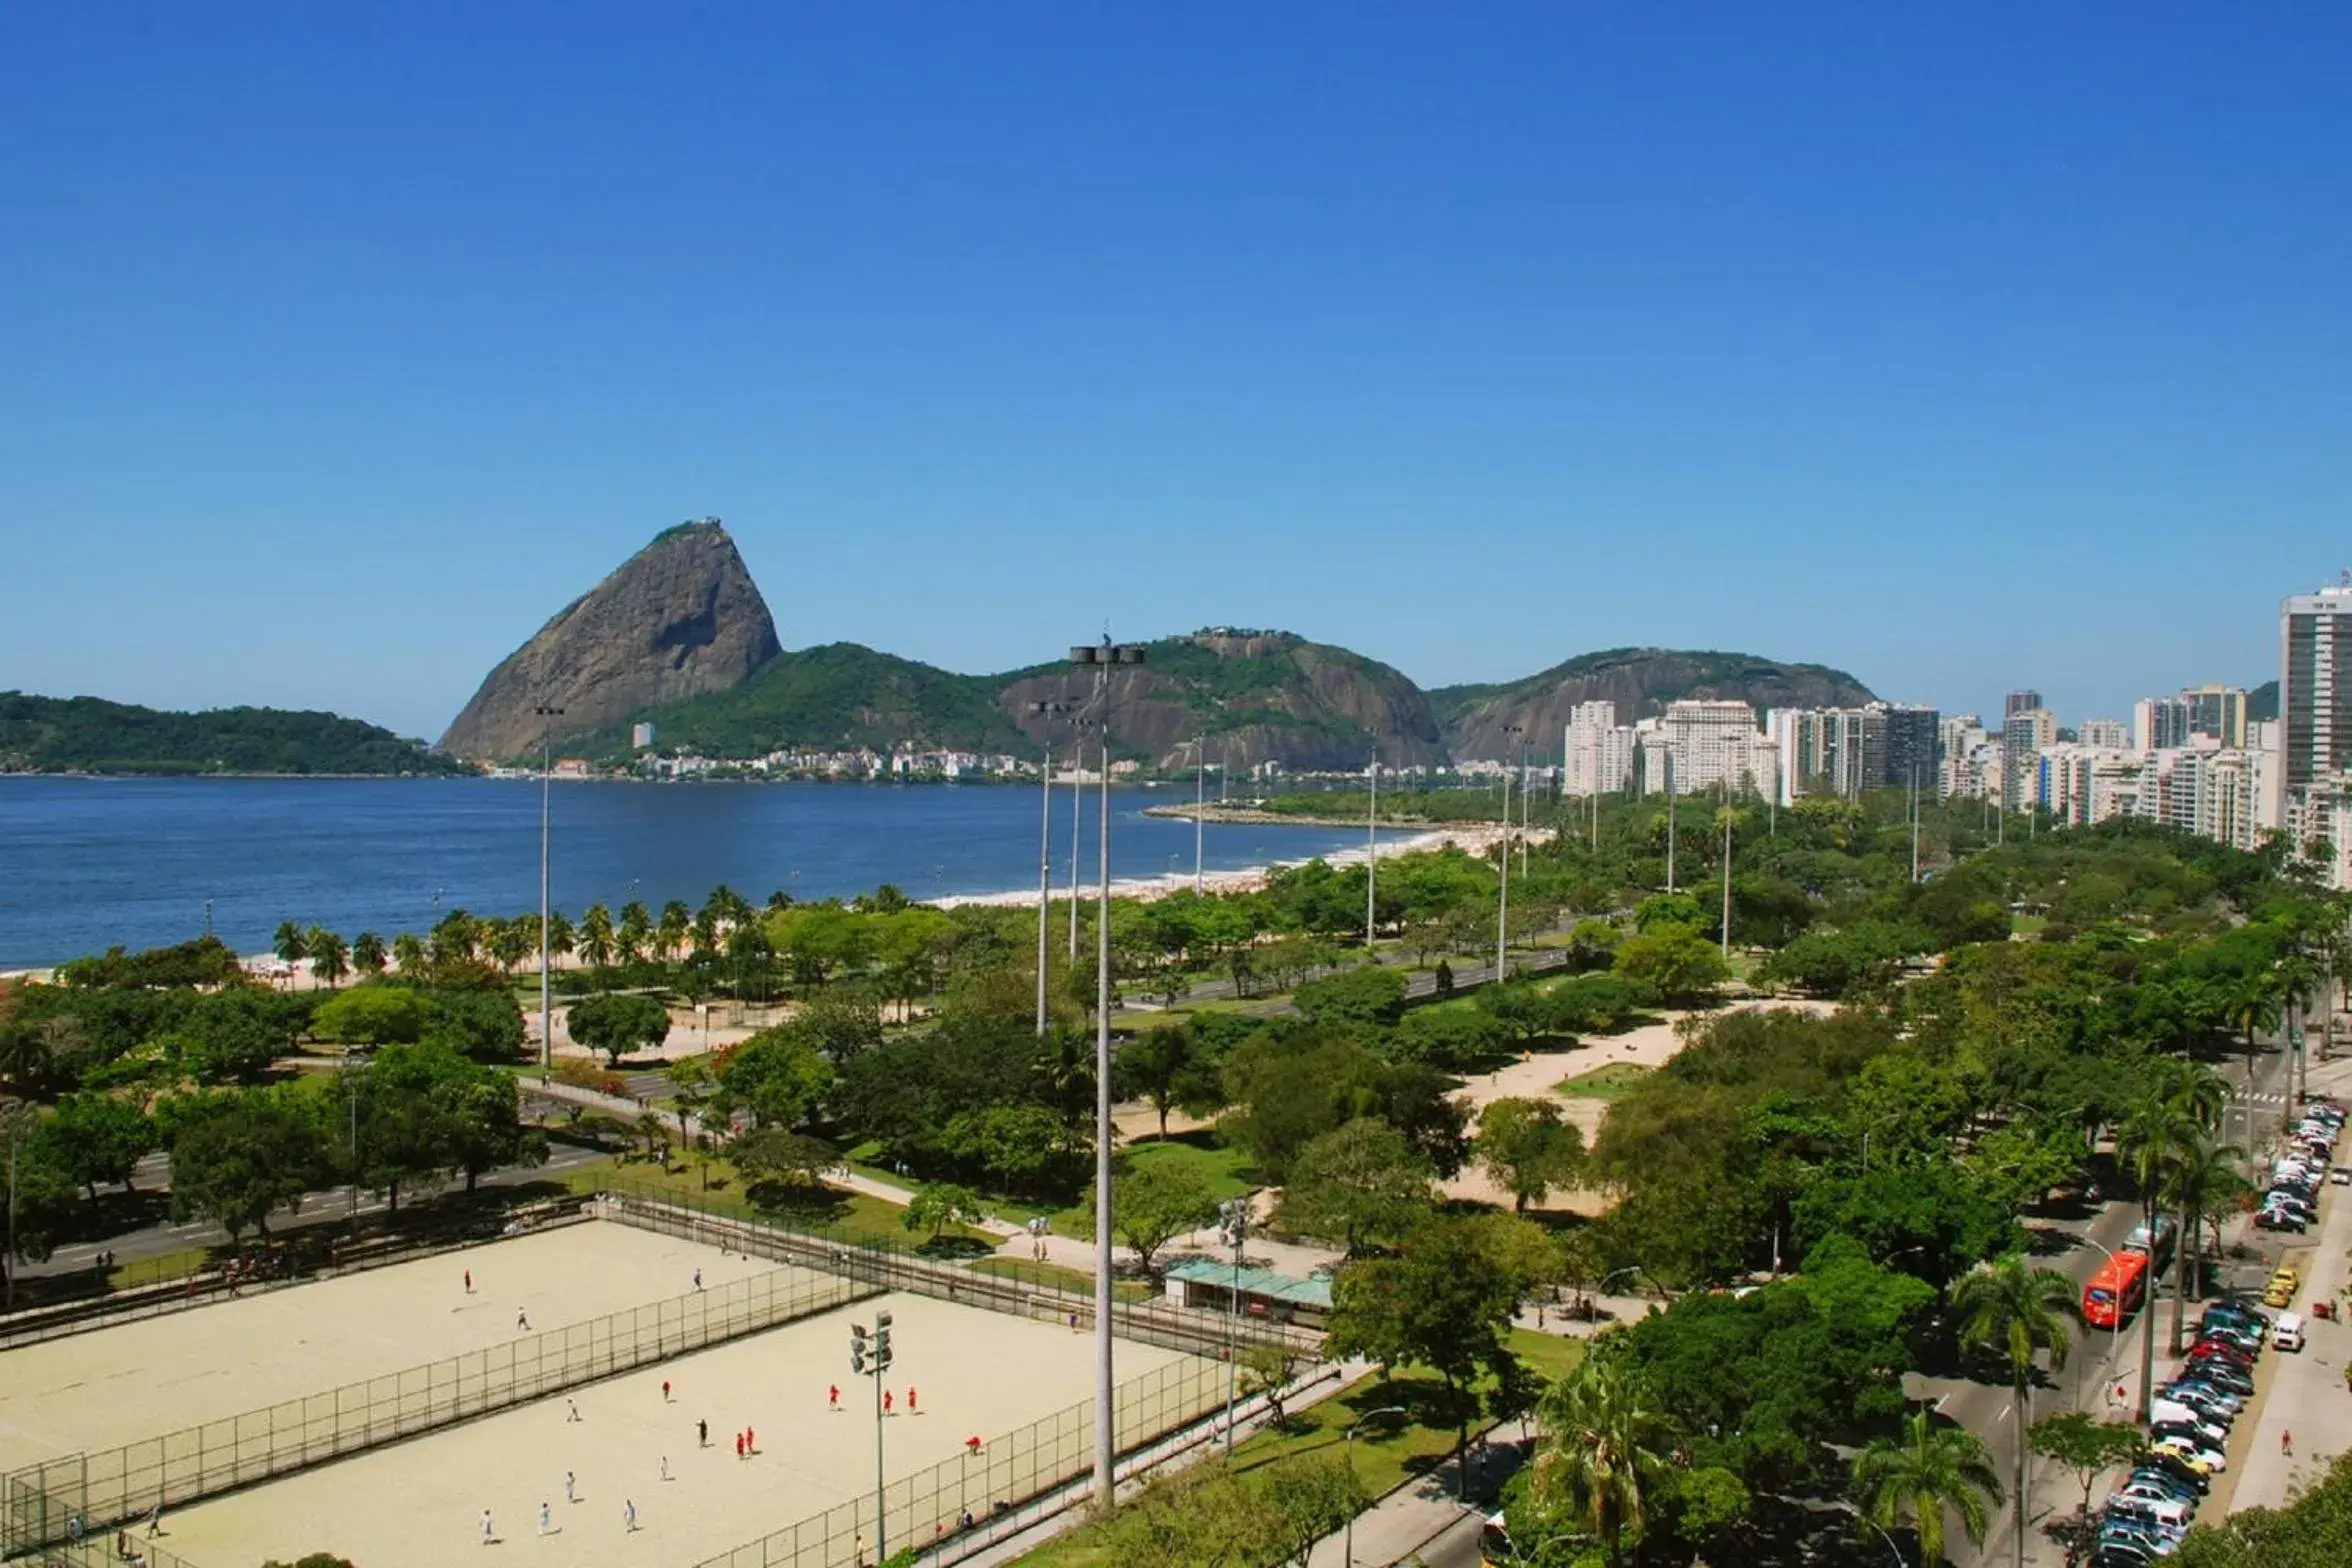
<point x="420" y="1503"/>
<point x="117" y="1385"/>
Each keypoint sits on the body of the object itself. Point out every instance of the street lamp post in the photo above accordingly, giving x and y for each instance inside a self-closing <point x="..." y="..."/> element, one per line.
<point x="1371" y="850"/>
<point x="546" y="768"/>
<point x="1045" y="711"/>
<point x="1348" y="1553"/>
<point x="1200" y="806"/>
<point x="1503" y="893"/>
<point x="1233" y="1230"/>
<point x="1101" y="657"/>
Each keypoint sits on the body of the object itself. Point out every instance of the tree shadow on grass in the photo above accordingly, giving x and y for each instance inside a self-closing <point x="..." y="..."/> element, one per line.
<point x="957" y="1248"/>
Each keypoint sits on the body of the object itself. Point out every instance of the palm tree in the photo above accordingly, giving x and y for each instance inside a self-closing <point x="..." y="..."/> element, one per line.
<point x="408" y="953"/>
<point x="510" y="940"/>
<point x="561" y="938"/>
<point x="635" y="929"/>
<point x="367" y="953"/>
<point x="2198" y="1095"/>
<point x="1604" y="1444"/>
<point x="330" y="960"/>
<point x="596" y="936"/>
<point x="2018" y="1310"/>
<point x="2204" y="1177"/>
<point x="2148" y="1143"/>
<point x="1930" y="1470"/>
<point x="288" y="943"/>
<point x="676" y="921"/>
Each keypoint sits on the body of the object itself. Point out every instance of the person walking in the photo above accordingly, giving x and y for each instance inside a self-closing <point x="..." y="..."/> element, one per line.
<point x="698" y="1279"/>
<point x="833" y="1399"/>
<point x="665" y="1390"/>
<point x="2287" y="1444"/>
<point x="522" y="1321"/>
<point x="469" y="1281"/>
<point x="739" y="1445"/>
<point x="910" y="1399"/>
<point x="571" y="1411"/>
<point x="629" y="1515"/>
<point x="888" y="1399"/>
<point x="486" y="1535"/>
<point x="750" y="1440"/>
<point x="665" y="1467"/>
<point x="545" y="1517"/>
<point x="155" y="1520"/>
<point x="701" y="1433"/>
<point x="570" y="1496"/>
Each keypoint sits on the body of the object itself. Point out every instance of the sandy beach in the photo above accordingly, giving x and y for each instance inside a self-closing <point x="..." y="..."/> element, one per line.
<point x="1473" y="838"/>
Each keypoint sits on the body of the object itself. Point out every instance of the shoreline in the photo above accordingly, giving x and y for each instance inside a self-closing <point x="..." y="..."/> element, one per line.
<point x="1473" y="839"/>
<point x="1184" y="811"/>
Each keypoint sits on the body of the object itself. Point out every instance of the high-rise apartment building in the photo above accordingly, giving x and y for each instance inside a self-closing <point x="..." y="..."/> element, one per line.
<point x="1597" y="752"/>
<point x="2315" y="698"/>
<point x="2216" y="711"/>
<point x="2025" y="733"/>
<point x="2020" y="702"/>
<point x="2106" y="734"/>
<point x="1913" y="745"/>
<point x="1712" y="743"/>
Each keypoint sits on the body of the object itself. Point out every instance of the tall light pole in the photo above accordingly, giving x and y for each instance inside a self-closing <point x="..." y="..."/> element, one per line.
<point x="546" y="771"/>
<point x="1669" y="816"/>
<point x="1727" y="873"/>
<point x="1503" y="893"/>
<point x="1077" y="817"/>
<point x="1233" y="1229"/>
<point x="1200" y="806"/>
<point x="1045" y="711"/>
<point x="1914" y="822"/>
<point x="1371" y="850"/>
<point x="1100" y="658"/>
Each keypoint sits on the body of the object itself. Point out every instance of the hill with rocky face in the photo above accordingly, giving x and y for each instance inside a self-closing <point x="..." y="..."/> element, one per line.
<point x="1640" y="681"/>
<point x="1257" y="696"/>
<point x="680" y="619"/>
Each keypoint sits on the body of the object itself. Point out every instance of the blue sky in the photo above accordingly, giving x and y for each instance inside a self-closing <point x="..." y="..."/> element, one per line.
<point x="1962" y="347"/>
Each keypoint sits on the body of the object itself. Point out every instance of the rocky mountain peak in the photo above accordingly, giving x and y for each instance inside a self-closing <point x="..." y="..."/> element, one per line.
<point x="681" y="618"/>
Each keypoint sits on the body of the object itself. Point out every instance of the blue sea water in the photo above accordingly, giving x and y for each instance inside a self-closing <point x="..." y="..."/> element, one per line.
<point x="88" y="863"/>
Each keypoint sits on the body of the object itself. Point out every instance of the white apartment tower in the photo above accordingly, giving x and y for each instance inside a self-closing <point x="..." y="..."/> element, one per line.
<point x="1596" y="753"/>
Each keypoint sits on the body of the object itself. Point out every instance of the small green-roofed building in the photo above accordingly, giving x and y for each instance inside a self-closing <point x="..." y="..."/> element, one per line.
<point x="1211" y="1286"/>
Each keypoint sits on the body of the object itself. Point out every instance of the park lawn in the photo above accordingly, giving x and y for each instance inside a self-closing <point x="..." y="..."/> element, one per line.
<point x="1225" y="1170"/>
<point x="1611" y="1082"/>
<point x="1387" y="1453"/>
<point x="856" y="1218"/>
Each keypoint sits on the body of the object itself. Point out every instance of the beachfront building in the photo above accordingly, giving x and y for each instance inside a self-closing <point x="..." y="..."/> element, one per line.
<point x="1702" y="745"/>
<point x="2025" y="734"/>
<point x="1597" y="752"/>
<point x="2104" y="734"/>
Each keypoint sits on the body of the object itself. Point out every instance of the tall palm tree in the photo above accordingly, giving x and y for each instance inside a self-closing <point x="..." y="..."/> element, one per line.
<point x="596" y="936"/>
<point x="288" y="943"/>
<point x="330" y="959"/>
<point x="2204" y="1178"/>
<point x="2018" y="1310"/>
<point x="2200" y="1096"/>
<point x="1929" y="1471"/>
<point x="408" y="953"/>
<point x="2147" y="1145"/>
<point x="635" y="929"/>
<point x="561" y="938"/>
<point x="367" y="953"/>
<point x="676" y="921"/>
<point x="1603" y="1447"/>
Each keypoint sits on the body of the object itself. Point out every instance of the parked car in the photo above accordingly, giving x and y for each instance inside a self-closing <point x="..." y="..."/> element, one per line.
<point x="2287" y="1332"/>
<point x="2282" y="1288"/>
<point x="2190" y="1450"/>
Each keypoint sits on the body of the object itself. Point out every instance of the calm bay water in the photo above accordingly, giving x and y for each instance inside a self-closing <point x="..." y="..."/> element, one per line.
<point x="88" y="863"/>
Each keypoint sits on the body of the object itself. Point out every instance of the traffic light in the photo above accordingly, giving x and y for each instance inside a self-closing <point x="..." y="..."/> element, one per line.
<point x="881" y="1342"/>
<point x="860" y="1345"/>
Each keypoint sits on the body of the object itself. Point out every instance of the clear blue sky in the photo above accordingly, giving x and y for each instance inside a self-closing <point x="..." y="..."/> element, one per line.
<point x="1963" y="347"/>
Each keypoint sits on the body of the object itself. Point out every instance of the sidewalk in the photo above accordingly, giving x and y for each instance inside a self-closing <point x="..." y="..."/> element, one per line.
<point x="2306" y="1393"/>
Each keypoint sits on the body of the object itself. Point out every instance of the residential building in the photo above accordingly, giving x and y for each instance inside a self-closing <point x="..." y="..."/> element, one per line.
<point x="1912" y="744"/>
<point x="2160" y="723"/>
<point x="2025" y="732"/>
<point x="1597" y="752"/>
<point x="2020" y="702"/>
<point x="2218" y="712"/>
<point x="1711" y="744"/>
<point x="2315" y="693"/>
<point x="2106" y="734"/>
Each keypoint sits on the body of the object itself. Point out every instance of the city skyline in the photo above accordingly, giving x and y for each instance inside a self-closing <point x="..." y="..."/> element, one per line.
<point x="350" y="345"/>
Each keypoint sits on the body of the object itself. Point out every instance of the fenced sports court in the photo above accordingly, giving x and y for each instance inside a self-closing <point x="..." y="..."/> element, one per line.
<point x="126" y="1482"/>
<point x="933" y="1503"/>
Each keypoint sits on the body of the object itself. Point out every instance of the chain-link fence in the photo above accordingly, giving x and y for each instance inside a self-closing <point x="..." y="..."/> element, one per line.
<point x="1152" y="1322"/>
<point x="103" y="1489"/>
<point x="125" y="1548"/>
<point x="933" y="1505"/>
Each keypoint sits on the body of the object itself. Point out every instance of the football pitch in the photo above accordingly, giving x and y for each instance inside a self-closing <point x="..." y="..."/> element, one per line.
<point x="87" y="1392"/>
<point x="965" y="1371"/>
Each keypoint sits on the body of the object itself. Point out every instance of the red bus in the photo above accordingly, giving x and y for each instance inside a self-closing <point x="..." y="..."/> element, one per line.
<point x="2115" y="1292"/>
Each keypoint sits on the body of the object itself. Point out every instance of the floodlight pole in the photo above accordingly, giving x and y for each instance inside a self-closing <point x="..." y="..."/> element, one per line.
<point x="1503" y="893"/>
<point x="1200" y="806"/>
<point x="546" y="1001"/>
<point x="1371" y="851"/>
<point x="1101" y="657"/>
<point x="1046" y="711"/>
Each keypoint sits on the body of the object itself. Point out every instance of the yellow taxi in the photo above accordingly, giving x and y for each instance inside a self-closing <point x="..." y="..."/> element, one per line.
<point x="2281" y="1289"/>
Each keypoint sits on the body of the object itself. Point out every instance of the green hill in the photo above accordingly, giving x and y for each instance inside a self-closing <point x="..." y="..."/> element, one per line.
<point x="835" y="696"/>
<point x="90" y="735"/>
